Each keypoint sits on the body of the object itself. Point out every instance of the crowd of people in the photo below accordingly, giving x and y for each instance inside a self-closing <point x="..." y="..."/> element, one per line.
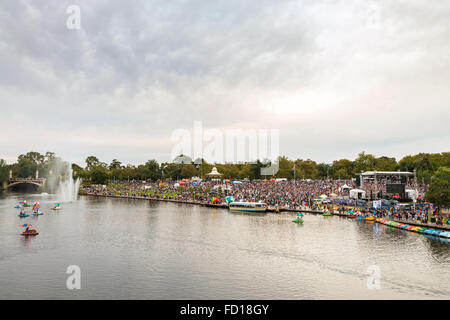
<point x="289" y="194"/>
<point x="282" y="194"/>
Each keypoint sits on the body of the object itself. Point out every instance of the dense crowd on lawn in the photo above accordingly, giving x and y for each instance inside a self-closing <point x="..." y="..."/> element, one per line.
<point x="283" y="194"/>
<point x="287" y="194"/>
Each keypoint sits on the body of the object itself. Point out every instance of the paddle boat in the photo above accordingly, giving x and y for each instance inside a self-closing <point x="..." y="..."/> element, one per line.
<point x="298" y="220"/>
<point x="28" y="231"/>
<point x="370" y="218"/>
<point x="445" y="234"/>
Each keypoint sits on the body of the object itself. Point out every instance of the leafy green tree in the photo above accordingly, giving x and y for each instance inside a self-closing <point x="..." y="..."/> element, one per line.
<point x="115" y="164"/>
<point x="91" y="162"/>
<point x="25" y="168"/>
<point x="306" y="169"/>
<point x="154" y="170"/>
<point x="439" y="192"/>
<point x="284" y="168"/>
<point x="343" y="169"/>
<point x="245" y="171"/>
<point x="172" y="170"/>
<point x="188" y="171"/>
<point x="385" y="164"/>
<point x="35" y="157"/>
<point x="323" y="170"/>
<point x="4" y="171"/>
<point x="99" y="176"/>
<point x="364" y="162"/>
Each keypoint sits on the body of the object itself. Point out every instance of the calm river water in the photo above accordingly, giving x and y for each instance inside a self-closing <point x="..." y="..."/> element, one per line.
<point x="138" y="249"/>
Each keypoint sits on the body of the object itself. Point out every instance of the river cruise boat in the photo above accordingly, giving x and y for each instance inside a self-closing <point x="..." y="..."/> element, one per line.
<point x="248" y="207"/>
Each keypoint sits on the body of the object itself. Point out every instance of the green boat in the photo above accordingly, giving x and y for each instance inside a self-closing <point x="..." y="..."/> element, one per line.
<point x="326" y="214"/>
<point x="298" y="220"/>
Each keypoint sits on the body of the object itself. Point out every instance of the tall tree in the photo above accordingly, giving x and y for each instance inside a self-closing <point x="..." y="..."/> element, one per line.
<point x="4" y="171"/>
<point x="364" y="162"/>
<point x="439" y="192"/>
<point x="91" y="162"/>
<point x="115" y="164"/>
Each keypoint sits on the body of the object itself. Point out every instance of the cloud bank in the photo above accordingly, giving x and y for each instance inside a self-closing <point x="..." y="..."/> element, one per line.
<point x="335" y="77"/>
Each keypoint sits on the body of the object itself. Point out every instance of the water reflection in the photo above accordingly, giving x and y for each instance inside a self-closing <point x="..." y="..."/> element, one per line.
<point x="155" y="250"/>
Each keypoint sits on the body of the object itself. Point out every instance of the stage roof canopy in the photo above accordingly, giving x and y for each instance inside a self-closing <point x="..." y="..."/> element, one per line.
<point x="387" y="173"/>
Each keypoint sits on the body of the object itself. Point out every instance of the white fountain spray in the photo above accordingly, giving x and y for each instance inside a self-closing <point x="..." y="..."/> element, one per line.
<point x="68" y="188"/>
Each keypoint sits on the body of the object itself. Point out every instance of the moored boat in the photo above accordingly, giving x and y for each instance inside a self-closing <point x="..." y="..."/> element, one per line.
<point x="248" y="207"/>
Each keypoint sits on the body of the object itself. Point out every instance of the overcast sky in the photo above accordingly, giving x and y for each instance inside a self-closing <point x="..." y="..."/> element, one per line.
<point x="335" y="77"/>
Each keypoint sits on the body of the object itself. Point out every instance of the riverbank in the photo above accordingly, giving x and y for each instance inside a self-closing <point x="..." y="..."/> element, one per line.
<point x="204" y="204"/>
<point x="434" y="227"/>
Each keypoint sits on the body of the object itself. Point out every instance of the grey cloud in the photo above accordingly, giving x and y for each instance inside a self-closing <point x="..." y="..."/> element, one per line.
<point x="316" y="70"/>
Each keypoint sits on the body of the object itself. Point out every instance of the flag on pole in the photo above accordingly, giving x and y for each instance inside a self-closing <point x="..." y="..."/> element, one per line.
<point x="293" y="170"/>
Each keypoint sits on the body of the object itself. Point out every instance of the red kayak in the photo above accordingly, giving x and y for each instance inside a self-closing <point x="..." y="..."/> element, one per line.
<point x="352" y="216"/>
<point x="31" y="232"/>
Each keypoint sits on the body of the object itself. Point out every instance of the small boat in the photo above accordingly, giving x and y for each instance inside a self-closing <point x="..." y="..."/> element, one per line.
<point x="37" y="213"/>
<point x="56" y="208"/>
<point x="17" y="206"/>
<point x="326" y="214"/>
<point x="31" y="232"/>
<point x="298" y="220"/>
<point x="352" y="215"/>
<point x="248" y="207"/>
<point x="370" y="218"/>
<point x="23" y="215"/>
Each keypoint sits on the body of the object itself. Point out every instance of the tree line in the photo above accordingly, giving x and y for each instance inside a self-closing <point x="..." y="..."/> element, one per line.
<point x="96" y="171"/>
<point x="429" y="167"/>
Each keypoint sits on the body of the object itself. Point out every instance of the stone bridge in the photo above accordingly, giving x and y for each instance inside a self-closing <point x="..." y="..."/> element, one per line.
<point x="40" y="182"/>
<point x="15" y="181"/>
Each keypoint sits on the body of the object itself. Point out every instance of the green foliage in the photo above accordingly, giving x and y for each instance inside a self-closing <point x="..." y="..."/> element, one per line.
<point x="188" y="171"/>
<point x="92" y="162"/>
<point x="439" y="192"/>
<point x="343" y="169"/>
<point x="115" y="164"/>
<point x="99" y="176"/>
<point x="364" y="162"/>
<point x="425" y="164"/>
<point x="4" y="171"/>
